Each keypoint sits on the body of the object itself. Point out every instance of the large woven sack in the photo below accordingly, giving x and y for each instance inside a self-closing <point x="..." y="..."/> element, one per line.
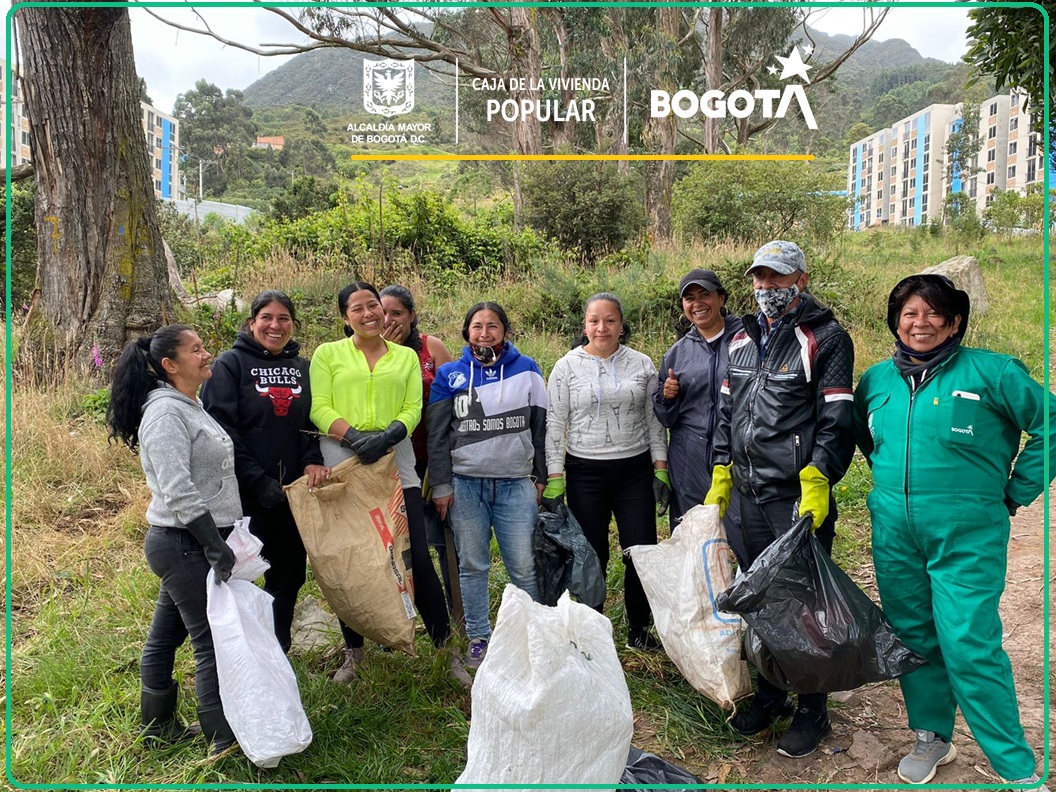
<point x="550" y="701"/>
<point x="354" y="528"/>
<point x="682" y="576"/>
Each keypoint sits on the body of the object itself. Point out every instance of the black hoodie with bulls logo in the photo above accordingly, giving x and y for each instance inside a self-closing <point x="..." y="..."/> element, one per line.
<point x="263" y="401"/>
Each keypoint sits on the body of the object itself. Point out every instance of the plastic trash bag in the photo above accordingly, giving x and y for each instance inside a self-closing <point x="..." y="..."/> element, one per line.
<point x="564" y="560"/>
<point x="820" y="632"/>
<point x="647" y="768"/>
<point x="682" y="576"/>
<point x="258" y="688"/>
<point x="550" y="701"/>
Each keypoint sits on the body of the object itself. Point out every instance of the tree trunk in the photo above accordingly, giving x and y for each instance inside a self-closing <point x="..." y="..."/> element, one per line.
<point x="525" y="61"/>
<point x="662" y="132"/>
<point x="713" y="74"/>
<point x="101" y="274"/>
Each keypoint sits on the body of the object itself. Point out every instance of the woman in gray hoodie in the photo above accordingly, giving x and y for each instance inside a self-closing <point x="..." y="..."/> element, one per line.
<point x="189" y="463"/>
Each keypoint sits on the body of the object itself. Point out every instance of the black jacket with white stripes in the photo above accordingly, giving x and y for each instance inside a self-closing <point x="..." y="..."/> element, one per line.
<point x="786" y="402"/>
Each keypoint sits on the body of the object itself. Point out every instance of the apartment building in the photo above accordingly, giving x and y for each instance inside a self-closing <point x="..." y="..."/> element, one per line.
<point x="987" y="171"/>
<point x="895" y="175"/>
<point x="160" y="129"/>
<point x="163" y="132"/>
<point x="17" y="122"/>
<point x="1026" y="161"/>
<point x="899" y="175"/>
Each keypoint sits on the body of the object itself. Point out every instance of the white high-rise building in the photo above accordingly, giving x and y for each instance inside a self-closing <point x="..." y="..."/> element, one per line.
<point x="161" y="130"/>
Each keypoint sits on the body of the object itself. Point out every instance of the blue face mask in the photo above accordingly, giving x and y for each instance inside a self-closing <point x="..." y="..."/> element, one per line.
<point x="774" y="302"/>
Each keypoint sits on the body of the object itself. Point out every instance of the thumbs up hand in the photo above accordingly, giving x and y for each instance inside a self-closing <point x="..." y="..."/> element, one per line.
<point x="671" y="385"/>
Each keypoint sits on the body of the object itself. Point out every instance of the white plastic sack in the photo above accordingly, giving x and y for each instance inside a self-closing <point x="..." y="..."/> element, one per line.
<point x="257" y="685"/>
<point x="550" y="702"/>
<point x="681" y="577"/>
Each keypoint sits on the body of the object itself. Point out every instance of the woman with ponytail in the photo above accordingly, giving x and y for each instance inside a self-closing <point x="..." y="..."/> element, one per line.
<point x="189" y="463"/>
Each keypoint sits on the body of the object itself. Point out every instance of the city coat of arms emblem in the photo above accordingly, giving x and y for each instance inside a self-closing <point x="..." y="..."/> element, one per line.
<point x="388" y="87"/>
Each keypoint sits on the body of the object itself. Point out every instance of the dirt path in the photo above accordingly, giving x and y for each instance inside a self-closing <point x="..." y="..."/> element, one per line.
<point x="869" y="725"/>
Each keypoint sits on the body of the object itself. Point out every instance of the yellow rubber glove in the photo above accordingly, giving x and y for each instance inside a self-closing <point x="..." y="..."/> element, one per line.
<point x="721" y="488"/>
<point x="815" y="494"/>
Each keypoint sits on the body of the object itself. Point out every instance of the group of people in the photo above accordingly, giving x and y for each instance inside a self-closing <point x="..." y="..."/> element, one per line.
<point x="757" y="415"/>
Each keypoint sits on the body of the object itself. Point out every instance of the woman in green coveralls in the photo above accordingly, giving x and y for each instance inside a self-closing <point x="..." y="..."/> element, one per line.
<point x="940" y="426"/>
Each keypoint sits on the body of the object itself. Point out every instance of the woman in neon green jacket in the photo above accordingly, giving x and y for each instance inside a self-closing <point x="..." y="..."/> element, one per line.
<point x="940" y="426"/>
<point x="367" y="398"/>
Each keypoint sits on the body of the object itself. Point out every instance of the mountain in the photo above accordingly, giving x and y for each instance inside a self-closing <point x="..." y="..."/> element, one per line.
<point x="333" y="78"/>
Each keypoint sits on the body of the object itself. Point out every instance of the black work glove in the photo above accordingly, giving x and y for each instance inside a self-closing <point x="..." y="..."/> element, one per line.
<point x="352" y="436"/>
<point x="271" y="494"/>
<point x="1012" y="506"/>
<point x="373" y="445"/>
<point x="554" y="505"/>
<point x="661" y="491"/>
<point x="217" y="552"/>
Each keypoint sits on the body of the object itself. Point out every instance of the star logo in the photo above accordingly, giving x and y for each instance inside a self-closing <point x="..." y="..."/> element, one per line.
<point x="793" y="65"/>
<point x="772" y="69"/>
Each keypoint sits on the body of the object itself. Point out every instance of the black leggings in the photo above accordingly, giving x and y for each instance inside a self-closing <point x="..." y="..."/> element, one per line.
<point x="761" y="524"/>
<point x="599" y="489"/>
<point x="428" y="593"/>
<point x="285" y="551"/>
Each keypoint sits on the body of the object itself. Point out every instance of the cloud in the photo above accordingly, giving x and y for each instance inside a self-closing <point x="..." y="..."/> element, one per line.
<point x="172" y="60"/>
<point x="935" y="32"/>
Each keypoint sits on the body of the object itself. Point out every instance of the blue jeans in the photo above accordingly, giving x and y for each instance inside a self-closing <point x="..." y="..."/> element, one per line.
<point x="179" y="560"/>
<point x="510" y="507"/>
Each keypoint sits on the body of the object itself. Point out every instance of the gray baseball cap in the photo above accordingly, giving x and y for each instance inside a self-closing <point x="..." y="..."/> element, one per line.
<point x="782" y="257"/>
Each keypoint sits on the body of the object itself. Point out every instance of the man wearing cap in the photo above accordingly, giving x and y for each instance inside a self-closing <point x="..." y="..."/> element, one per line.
<point x="785" y="437"/>
<point x="686" y="399"/>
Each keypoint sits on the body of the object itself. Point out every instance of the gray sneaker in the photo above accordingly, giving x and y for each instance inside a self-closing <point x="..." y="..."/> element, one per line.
<point x="478" y="648"/>
<point x="1033" y="779"/>
<point x="930" y="751"/>
<point x="347" y="672"/>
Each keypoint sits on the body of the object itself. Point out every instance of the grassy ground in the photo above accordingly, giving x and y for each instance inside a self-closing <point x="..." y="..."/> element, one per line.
<point x="81" y="595"/>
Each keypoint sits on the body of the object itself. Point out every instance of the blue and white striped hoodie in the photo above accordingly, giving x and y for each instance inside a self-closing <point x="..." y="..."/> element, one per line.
<point x="486" y="421"/>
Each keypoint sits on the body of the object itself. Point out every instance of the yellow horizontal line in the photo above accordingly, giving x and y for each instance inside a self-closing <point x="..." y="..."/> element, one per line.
<point x="550" y="157"/>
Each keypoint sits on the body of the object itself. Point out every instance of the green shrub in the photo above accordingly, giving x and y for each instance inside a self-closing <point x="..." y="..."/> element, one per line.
<point x="589" y="207"/>
<point x="753" y="202"/>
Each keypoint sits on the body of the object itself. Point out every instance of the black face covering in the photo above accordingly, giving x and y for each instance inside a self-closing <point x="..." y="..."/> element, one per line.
<point x="486" y="354"/>
<point x="914" y="364"/>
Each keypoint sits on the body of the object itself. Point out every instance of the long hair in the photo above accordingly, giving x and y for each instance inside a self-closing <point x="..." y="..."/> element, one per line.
<point x="137" y="373"/>
<point x="266" y="298"/>
<point x="496" y="309"/>
<point x="403" y="294"/>
<point x="348" y="291"/>
<point x="625" y="328"/>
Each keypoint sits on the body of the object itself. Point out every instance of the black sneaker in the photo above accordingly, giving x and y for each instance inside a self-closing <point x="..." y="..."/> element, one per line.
<point x="641" y="639"/>
<point x="761" y="715"/>
<point x="805" y="734"/>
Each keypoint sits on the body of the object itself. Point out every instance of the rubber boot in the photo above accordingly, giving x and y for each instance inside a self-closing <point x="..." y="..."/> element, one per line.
<point x="216" y="729"/>
<point x="158" y="710"/>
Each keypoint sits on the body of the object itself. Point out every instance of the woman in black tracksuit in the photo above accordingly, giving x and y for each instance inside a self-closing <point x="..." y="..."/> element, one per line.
<point x="261" y="395"/>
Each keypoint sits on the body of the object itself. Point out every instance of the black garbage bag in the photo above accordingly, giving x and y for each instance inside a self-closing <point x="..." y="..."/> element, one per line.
<point x="815" y="630"/>
<point x="647" y="768"/>
<point x="564" y="560"/>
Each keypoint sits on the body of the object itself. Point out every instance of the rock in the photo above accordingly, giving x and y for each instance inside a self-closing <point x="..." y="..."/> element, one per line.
<point x="223" y="300"/>
<point x="313" y="627"/>
<point x="966" y="275"/>
<point x="870" y="753"/>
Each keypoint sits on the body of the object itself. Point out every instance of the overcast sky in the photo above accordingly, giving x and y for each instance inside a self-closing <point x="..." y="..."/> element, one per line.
<point x="172" y="60"/>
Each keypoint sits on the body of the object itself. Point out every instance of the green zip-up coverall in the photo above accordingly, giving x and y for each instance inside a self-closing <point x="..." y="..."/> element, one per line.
<point x="941" y="459"/>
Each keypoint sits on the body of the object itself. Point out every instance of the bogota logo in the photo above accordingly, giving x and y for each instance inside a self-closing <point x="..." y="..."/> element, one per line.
<point x="388" y="87"/>
<point x="740" y="103"/>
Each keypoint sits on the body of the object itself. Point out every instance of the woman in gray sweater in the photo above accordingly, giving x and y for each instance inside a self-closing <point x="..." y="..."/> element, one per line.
<point x="602" y="435"/>
<point x="189" y="463"/>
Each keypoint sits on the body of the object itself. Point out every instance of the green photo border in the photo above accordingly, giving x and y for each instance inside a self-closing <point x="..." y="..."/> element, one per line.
<point x="1047" y="110"/>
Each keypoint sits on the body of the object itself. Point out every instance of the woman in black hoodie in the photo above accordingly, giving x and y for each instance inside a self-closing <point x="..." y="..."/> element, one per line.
<point x="260" y="393"/>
